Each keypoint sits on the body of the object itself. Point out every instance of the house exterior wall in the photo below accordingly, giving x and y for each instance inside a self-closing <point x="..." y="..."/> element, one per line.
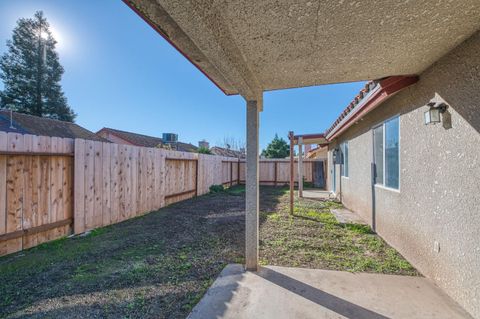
<point x="439" y="195"/>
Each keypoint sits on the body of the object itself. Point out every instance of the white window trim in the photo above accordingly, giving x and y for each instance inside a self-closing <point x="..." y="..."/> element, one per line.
<point x="382" y="124"/>
<point x="342" y="170"/>
<point x="387" y="188"/>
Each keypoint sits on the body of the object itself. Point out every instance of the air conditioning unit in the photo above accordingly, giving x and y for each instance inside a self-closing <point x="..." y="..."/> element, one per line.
<point x="170" y="138"/>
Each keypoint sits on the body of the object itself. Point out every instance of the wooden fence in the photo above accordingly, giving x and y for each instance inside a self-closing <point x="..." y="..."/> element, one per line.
<point x="36" y="184"/>
<point x="276" y="172"/>
<point x="116" y="182"/>
<point x="49" y="184"/>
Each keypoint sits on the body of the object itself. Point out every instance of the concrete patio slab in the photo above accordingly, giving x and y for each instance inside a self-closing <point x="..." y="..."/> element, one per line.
<point x="282" y="292"/>
<point x="344" y="215"/>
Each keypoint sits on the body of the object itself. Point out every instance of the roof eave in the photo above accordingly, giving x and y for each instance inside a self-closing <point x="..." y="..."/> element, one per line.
<point x="163" y="35"/>
<point x="386" y="89"/>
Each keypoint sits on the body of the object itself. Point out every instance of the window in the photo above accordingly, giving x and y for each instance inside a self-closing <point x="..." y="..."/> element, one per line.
<point x="386" y="153"/>
<point x="344" y="167"/>
<point x="392" y="153"/>
<point x="378" y="153"/>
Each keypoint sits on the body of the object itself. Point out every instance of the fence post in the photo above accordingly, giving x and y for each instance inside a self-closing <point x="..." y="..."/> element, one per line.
<point x="292" y="181"/>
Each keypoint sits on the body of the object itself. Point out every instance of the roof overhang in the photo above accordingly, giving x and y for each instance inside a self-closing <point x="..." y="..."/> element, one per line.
<point x="382" y="91"/>
<point x="247" y="47"/>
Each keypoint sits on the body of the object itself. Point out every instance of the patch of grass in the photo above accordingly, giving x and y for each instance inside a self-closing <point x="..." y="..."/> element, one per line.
<point x="98" y="231"/>
<point x="272" y="216"/>
<point x="236" y="190"/>
<point x="216" y="189"/>
<point x="85" y="273"/>
<point x="52" y="245"/>
<point x="137" y="305"/>
<point x="313" y="238"/>
<point x="358" y="228"/>
<point x="194" y="298"/>
<point x="322" y="216"/>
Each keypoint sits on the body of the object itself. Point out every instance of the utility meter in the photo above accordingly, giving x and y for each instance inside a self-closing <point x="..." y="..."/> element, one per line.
<point x="337" y="156"/>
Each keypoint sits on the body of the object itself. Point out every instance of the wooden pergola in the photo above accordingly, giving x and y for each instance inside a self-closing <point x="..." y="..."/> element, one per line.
<point x="300" y="140"/>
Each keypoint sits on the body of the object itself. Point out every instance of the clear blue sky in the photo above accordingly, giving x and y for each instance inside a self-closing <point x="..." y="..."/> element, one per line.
<point x="120" y="73"/>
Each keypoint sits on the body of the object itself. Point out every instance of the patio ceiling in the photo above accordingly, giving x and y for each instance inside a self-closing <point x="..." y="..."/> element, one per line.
<point x="246" y="47"/>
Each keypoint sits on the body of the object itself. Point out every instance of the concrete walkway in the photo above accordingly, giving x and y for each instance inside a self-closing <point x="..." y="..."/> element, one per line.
<point x="317" y="194"/>
<point x="344" y="215"/>
<point x="281" y="292"/>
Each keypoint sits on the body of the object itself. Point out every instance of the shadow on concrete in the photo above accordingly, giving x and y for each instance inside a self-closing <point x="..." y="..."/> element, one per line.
<point x="215" y="302"/>
<point x="322" y="298"/>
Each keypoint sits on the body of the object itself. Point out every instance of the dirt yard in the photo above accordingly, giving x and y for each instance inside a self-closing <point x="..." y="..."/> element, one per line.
<point x="159" y="265"/>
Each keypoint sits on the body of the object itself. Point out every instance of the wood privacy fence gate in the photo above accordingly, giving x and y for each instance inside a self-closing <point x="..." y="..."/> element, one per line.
<point x="51" y="187"/>
<point x="276" y="172"/>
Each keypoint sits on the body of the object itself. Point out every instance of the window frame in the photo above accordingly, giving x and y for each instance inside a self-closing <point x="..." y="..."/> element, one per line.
<point x="345" y="159"/>
<point x="382" y="124"/>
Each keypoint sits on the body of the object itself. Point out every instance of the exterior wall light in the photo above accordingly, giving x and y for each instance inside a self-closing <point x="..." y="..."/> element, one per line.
<point x="432" y="116"/>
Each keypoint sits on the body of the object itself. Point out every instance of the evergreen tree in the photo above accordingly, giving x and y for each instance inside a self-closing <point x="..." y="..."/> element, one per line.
<point x="278" y="148"/>
<point x="31" y="72"/>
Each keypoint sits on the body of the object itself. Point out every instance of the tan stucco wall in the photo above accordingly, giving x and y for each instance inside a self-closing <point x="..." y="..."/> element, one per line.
<point x="439" y="196"/>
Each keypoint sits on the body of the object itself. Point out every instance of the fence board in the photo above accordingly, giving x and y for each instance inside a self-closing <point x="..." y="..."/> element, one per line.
<point x="106" y="206"/>
<point x="15" y="185"/>
<point x="79" y="188"/>
<point x="128" y="182"/>
<point x="68" y="184"/>
<point x="89" y="185"/>
<point x="30" y="200"/>
<point x="44" y="194"/>
<point x="114" y="183"/>
<point x="98" y="184"/>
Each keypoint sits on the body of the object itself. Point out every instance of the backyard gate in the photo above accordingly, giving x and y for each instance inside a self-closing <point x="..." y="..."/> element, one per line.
<point x="318" y="174"/>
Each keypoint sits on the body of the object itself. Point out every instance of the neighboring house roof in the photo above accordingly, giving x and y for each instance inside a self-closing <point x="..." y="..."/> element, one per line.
<point x="317" y="152"/>
<point x="186" y="147"/>
<point x="146" y="140"/>
<point x="35" y="125"/>
<point x="134" y="138"/>
<point x="216" y="150"/>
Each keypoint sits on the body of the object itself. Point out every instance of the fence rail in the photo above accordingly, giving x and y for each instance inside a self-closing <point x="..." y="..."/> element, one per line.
<point x="51" y="187"/>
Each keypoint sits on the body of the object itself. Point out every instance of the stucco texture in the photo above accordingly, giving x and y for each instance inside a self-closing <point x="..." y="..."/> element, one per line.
<point x="251" y="45"/>
<point x="439" y="195"/>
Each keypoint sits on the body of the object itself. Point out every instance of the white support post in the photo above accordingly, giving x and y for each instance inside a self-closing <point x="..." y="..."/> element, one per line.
<point x="252" y="186"/>
<point x="300" y="167"/>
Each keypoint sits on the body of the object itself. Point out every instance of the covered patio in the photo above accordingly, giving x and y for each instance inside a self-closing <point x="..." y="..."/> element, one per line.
<point x="282" y="293"/>
<point x="249" y="47"/>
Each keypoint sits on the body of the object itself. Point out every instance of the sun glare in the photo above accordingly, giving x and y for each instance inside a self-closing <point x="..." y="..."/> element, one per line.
<point x="59" y="34"/>
<point x="56" y="35"/>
